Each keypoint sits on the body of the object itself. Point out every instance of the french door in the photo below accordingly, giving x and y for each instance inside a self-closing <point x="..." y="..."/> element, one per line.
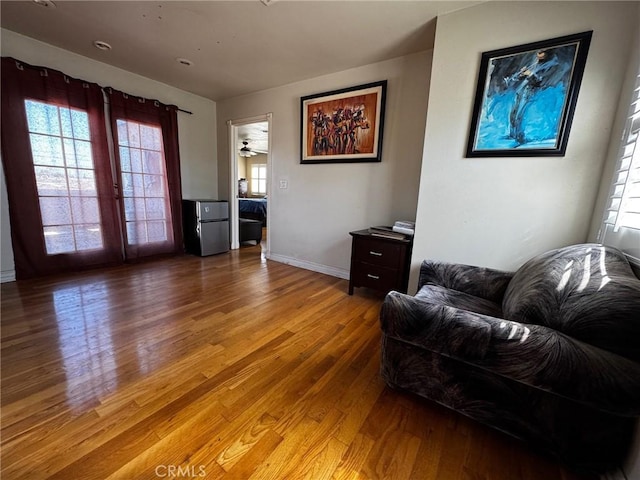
<point x="71" y="211"/>
<point x="143" y="187"/>
<point x="74" y="202"/>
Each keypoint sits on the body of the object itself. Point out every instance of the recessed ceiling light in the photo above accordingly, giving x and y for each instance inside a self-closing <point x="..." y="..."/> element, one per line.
<point x="45" y="3"/>
<point x="99" y="44"/>
<point x="184" y="61"/>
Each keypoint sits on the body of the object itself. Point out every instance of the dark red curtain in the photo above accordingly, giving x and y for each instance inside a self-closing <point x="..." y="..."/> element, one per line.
<point x="156" y="114"/>
<point x="21" y="82"/>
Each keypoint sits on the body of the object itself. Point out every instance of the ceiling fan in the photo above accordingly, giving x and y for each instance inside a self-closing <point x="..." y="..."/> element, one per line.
<point x="245" y="151"/>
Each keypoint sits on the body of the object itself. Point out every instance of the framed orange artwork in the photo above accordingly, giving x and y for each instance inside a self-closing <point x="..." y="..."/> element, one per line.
<point x="343" y="125"/>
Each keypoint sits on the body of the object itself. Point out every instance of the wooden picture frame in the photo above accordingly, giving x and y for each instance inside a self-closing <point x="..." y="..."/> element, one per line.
<point x="343" y="126"/>
<point x="526" y="97"/>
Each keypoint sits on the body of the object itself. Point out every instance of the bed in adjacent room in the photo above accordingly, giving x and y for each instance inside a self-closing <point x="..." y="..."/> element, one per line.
<point x="254" y="209"/>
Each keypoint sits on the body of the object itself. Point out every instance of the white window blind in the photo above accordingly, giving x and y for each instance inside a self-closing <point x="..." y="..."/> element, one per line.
<point x="622" y="218"/>
<point x="624" y="206"/>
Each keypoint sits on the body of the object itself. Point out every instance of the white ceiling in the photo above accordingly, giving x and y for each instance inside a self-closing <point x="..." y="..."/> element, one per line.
<point x="256" y="135"/>
<point x="236" y="47"/>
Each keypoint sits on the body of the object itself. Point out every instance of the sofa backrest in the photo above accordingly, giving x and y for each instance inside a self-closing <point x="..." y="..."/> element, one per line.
<point x="588" y="292"/>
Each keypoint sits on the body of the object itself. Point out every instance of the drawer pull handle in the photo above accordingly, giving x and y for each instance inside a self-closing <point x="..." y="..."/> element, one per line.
<point x="373" y="276"/>
<point x="377" y="254"/>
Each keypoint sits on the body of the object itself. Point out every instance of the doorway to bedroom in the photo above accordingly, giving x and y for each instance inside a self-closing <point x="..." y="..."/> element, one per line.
<point x="250" y="183"/>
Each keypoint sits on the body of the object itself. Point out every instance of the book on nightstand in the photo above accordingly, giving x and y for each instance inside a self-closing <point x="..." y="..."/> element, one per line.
<point x="386" y="232"/>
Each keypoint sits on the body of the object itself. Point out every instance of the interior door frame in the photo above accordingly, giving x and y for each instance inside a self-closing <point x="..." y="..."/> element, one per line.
<point x="234" y="213"/>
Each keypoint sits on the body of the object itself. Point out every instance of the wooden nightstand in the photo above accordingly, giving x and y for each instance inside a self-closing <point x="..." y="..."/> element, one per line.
<point x="379" y="263"/>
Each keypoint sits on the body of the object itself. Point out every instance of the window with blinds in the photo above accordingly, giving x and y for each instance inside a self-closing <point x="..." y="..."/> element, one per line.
<point x="624" y="207"/>
<point x="622" y="218"/>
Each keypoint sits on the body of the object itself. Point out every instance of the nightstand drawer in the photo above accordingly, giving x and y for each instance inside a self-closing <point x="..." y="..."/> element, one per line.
<point x="379" y="263"/>
<point x="378" y="252"/>
<point x="375" y="277"/>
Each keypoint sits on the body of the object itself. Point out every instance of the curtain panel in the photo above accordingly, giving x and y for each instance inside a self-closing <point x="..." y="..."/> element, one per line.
<point x="21" y="83"/>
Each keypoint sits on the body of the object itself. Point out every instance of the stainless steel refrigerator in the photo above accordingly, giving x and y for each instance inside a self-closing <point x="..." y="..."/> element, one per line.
<point x="206" y="226"/>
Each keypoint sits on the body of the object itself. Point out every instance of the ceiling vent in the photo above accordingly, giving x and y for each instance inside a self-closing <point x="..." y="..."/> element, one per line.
<point x="100" y="45"/>
<point x="45" y="3"/>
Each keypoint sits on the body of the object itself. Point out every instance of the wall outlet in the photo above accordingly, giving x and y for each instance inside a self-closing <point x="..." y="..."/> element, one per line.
<point x="284" y="184"/>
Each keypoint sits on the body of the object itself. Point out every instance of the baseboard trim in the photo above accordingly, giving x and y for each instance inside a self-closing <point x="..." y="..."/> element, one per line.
<point x="314" y="267"/>
<point x="7" y="276"/>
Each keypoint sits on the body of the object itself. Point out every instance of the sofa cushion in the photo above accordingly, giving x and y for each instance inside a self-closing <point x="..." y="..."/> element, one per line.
<point x="464" y="301"/>
<point x="587" y="291"/>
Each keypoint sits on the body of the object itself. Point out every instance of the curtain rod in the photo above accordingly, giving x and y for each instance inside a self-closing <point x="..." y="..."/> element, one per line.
<point x="20" y="64"/>
<point x="110" y="90"/>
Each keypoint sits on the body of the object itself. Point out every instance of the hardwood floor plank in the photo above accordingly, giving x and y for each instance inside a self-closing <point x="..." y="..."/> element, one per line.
<point x="106" y="458"/>
<point x="387" y="430"/>
<point x="452" y="454"/>
<point x="230" y="365"/>
<point x="352" y="461"/>
<point x="359" y="402"/>
<point x="160" y="385"/>
<point x="236" y="451"/>
<point x="242" y="470"/>
<point x="275" y="465"/>
<point x="187" y="437"/>
<point x="321" y="464"/>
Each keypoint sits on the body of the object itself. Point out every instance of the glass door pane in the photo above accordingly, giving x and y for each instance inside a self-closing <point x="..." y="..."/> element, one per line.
<point x="65" y="178"/>
<point x="144" y="189"/>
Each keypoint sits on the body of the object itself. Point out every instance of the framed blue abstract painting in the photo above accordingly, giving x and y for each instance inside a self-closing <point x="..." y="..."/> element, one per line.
<point x="526" y="96"/>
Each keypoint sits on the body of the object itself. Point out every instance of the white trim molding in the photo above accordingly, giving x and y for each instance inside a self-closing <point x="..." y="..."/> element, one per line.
<point x="7" y="276"/>
<point x="314" y="267"/>
<point x="234" y="214"/>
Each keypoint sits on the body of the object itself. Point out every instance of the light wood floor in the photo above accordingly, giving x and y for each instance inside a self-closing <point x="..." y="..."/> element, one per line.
<point x="221" y="367"/>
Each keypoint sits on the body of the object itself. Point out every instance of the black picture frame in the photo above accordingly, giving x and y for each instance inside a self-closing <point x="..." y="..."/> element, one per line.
<point x="343" y="126"/>
<point x="526" y="97"/>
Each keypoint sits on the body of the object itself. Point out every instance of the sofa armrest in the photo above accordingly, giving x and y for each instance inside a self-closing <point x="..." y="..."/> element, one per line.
<point x="436" y="327"/>
<point x="481" y="282"/>
<point x="535" y="355"/>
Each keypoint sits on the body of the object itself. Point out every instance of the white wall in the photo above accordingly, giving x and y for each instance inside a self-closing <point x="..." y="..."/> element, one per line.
<point x="311" y="219"/>
<point x="498" y="212"/>
<point x="196" y="132"/>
